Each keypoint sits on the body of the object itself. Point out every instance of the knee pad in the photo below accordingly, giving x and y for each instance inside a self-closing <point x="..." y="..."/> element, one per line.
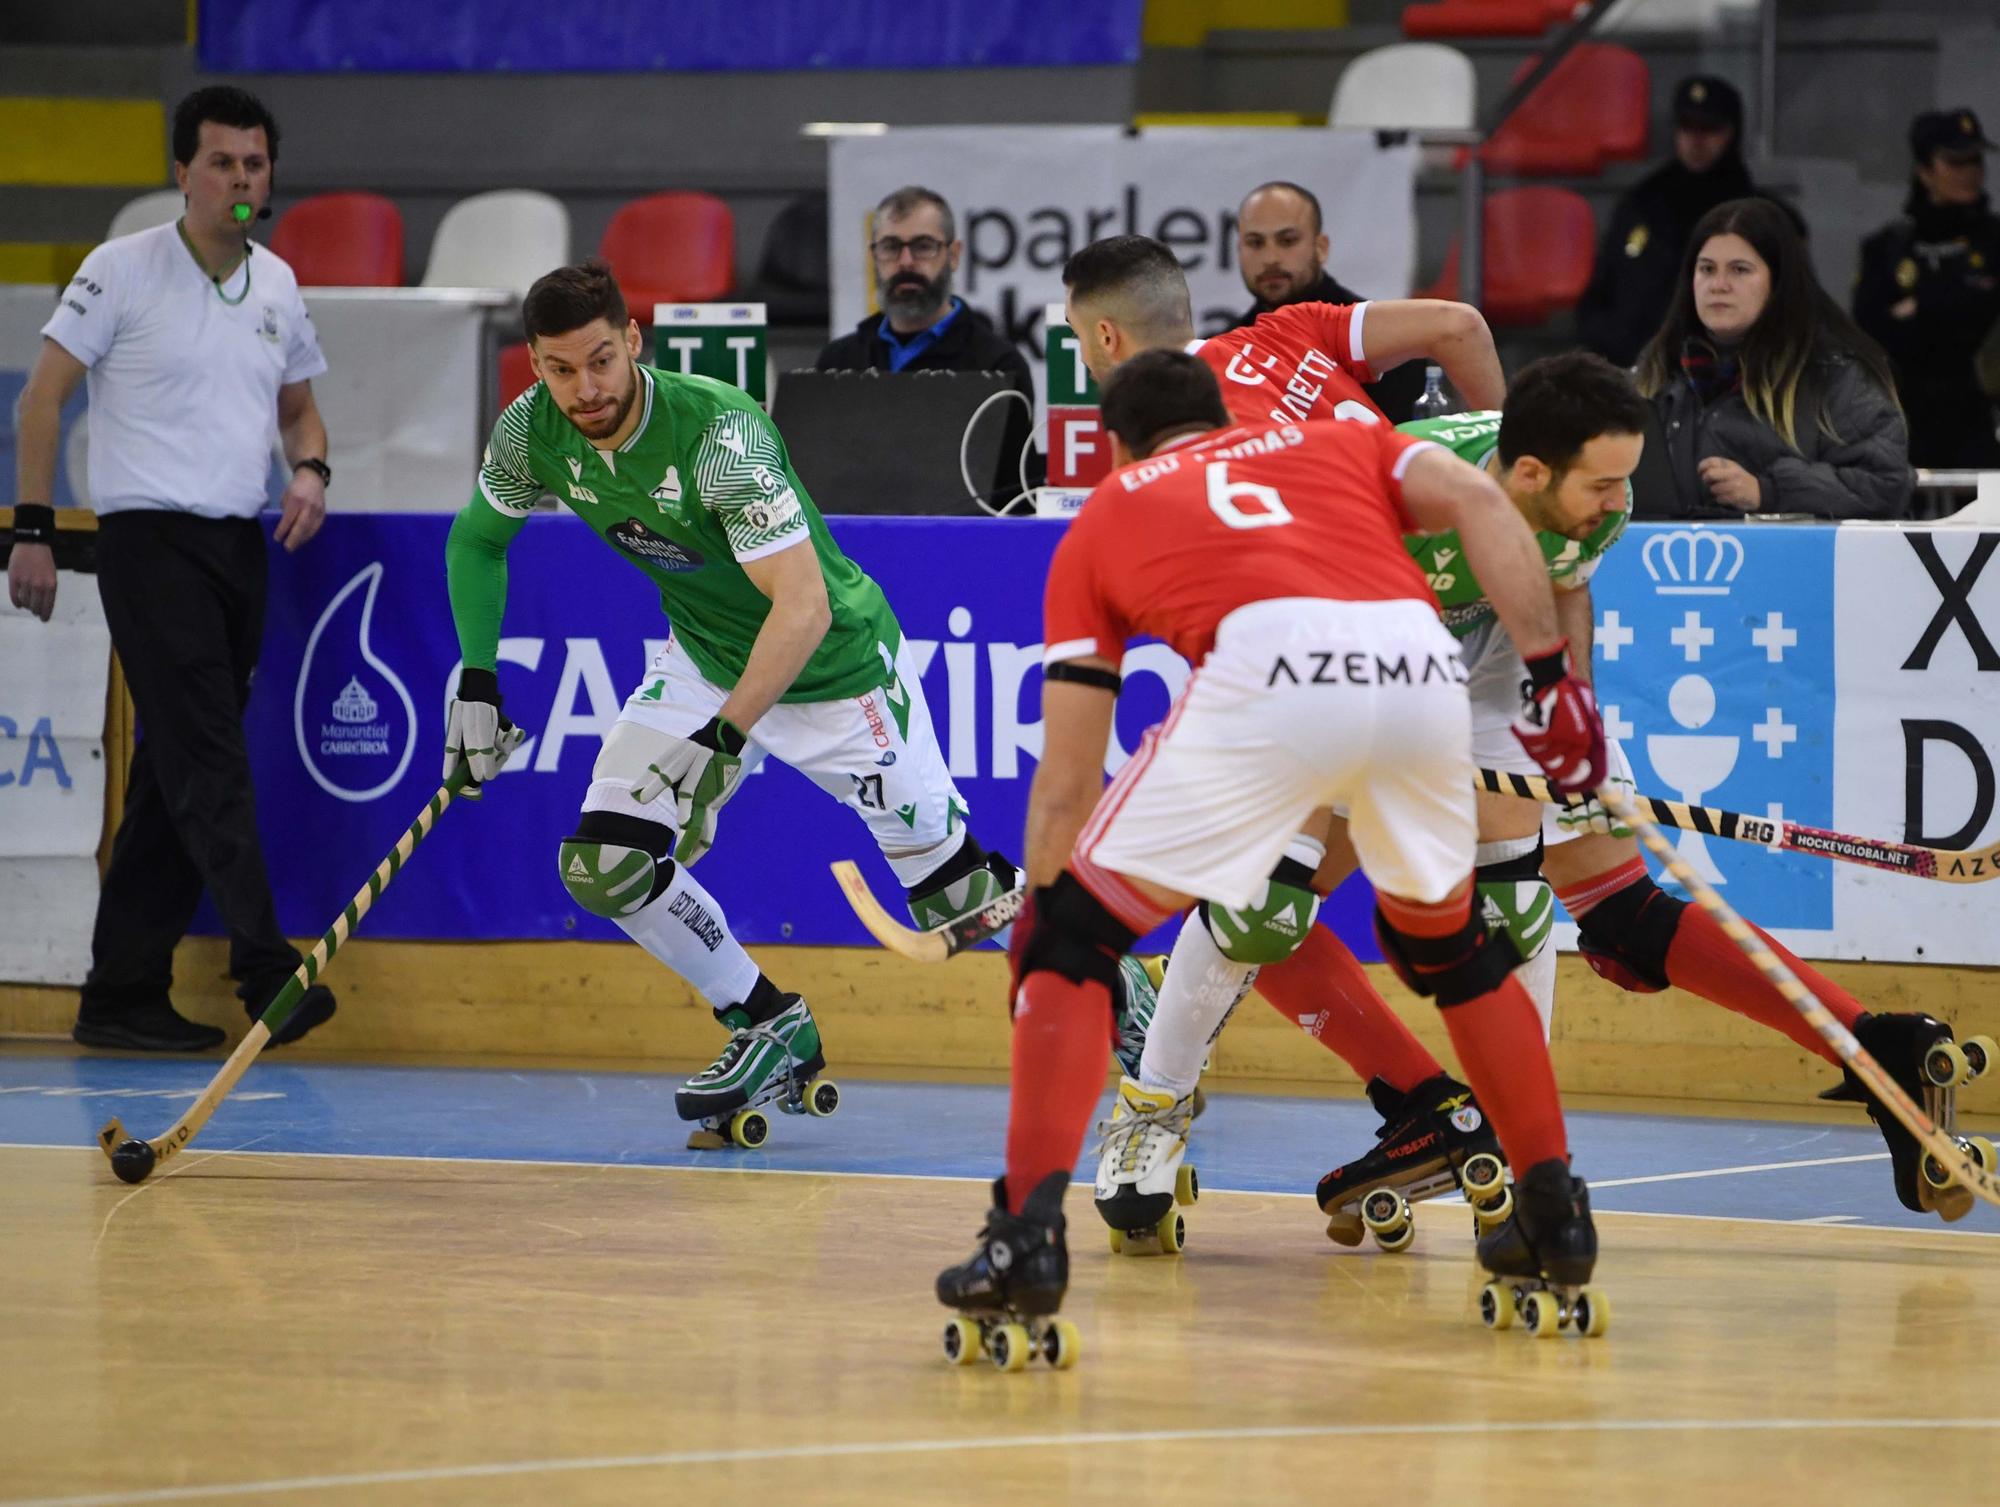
<point x="1451" y="969"/>
<point x="1625" y="936"/>
<point x="615" y="865"/>
<point x="1075" y="936"/>
<point x="969" y="880"/>
<point x="1513" y="893"/>
<point x="1270" y="928"/>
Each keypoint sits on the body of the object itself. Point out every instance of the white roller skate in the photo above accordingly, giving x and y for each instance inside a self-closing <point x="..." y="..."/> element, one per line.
<point x="1143" y="1176"/>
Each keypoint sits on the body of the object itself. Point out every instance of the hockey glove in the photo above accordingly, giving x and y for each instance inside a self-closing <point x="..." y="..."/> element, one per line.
<point x="1586" y="814"/>
<point x="703" y="772"/>
<point x="475" y="731"/>
<point x="1559" y="725"/>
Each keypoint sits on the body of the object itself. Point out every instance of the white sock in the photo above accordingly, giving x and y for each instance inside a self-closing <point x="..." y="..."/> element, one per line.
<point x="685" y="929"/>
<point x="1200" y="989"/>
<point x="1538" y="977"/>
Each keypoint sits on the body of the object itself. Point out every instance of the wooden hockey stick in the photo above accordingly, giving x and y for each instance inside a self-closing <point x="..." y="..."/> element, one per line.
<point x="134" y="1160"/>
<point x="1949" y="1155"/>
<point x="1946" y="864"/>
<point x="935" y="946"/>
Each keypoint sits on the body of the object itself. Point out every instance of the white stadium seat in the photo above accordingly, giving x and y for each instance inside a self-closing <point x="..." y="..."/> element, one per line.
<point x="1410" y="86"/>
<point x="504" y="239"/>
<point x="161" y="207"/>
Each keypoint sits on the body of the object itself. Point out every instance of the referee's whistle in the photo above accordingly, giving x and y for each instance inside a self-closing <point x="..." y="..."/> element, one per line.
<point x="242" y="213"/>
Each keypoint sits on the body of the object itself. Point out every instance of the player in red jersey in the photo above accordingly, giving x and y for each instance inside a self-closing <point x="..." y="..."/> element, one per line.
<point x="1272" y="555"/>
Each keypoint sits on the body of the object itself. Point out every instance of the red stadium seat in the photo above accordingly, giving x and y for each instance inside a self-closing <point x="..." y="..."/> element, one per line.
<point x="1485" y="18"/>
<point x="1539" y="245"/>
<point x="671" y="248"/>
<point x="516" y="375"/>
<point x="342" y="241"/>
<point x="1594" y="108"/>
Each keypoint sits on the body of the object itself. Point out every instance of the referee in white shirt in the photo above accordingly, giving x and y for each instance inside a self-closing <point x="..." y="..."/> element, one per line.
<point x="197" y="347"/>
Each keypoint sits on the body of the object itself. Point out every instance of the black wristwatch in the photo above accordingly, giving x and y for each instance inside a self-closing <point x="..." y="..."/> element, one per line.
<point x="314" y="463"/>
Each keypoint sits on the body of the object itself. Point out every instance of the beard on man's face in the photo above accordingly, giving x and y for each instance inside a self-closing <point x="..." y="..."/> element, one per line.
<point x="908" y="291"/>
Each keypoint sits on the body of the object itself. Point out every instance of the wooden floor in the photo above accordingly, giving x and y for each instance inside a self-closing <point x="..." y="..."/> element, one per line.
<point x="329" y="1330"/>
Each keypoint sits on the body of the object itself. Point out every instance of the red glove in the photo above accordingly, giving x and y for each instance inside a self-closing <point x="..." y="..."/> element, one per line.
<point x="1559" y="725"/>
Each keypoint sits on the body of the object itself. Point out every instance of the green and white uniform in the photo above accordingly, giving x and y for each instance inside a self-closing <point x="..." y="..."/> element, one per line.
<point x="1498" y="677"/>
<point x="702" y="487"/>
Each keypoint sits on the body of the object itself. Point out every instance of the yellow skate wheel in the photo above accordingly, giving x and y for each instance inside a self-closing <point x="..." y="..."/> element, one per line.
<point x="1061" y="1344"/>
<point x="1979" y="1054"/>
<point x="961" y="1341"/>
<point x="1187" y="1186"/>
<point x="1171" y="1232"/>
<point x="1982" y="1151"/>
<point x="749" y="1129"/>
<point x="1397" y="1239"/>
<point x="823" y="1098"/>
<point x="1542" y="1313"/>
<point x="1117" y="1242"/>
<point x="1384" y="1210"/>
<point x="1483" y="1177"/>
<point x="1945" y="1065"/>
<point x="1487" y="1216"/>
<point x="1156" y="968"/>
<point x="1591" y="1312"/>
<point x="1008" y="1346"/>
<point x="1936" y="1173"/>
<point x="1496" y="1306"/>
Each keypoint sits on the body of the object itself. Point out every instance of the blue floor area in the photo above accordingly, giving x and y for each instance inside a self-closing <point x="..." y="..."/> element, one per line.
<point x="1635" y="1163"/>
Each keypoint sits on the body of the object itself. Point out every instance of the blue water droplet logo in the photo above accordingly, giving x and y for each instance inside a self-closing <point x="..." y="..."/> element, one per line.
<point x="354" y="718"/>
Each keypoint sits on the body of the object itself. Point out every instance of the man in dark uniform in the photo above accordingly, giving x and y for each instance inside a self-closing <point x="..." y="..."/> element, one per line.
<point x="1929" y="291"/>
<point x="1639" y="257"/>
<point x="1281" y="248"/>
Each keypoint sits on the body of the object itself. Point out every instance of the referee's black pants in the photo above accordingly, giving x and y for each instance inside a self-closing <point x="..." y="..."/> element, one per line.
<point x="184" y="598"/>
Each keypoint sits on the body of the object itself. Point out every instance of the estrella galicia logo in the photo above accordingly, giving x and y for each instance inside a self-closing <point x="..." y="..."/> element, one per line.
<point x="355" y="721"/>
<point x="643" y="544"/>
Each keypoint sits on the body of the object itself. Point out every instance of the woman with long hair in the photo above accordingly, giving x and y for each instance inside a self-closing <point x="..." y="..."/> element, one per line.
<point x="1769" y="397"/>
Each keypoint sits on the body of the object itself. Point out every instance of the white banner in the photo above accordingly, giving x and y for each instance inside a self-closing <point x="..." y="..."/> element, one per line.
<point x="1916" y="734"/>
<point x="1026" y="197"/>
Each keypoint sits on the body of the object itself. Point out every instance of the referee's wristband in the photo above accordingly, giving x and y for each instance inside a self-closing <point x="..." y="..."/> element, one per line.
<point x="34" y="523"/>
<point x="317" y="466"/>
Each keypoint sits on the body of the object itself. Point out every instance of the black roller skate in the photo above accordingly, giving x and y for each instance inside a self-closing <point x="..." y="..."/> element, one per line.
<point x="1541" y="1248"/>
<point x="1919" y="1053"/>
<point x="1430" y="1138"/>
<point x="1008" y="1291"/>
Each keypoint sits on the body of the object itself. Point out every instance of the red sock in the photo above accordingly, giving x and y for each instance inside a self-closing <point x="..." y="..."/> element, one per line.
<point x="1062" y="1044"/>
<point x="1322" y="990"/>
<point x="1498" y="1038"/>
<point x="1703" y="960"/>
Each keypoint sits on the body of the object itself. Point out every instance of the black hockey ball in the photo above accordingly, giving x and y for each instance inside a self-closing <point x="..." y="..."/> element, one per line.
<point x="132" y="1161"/>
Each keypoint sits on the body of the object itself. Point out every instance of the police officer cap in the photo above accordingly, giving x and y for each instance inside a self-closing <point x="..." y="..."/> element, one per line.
<point x="1946" y="131"/>
<point x="1705" y="102"/>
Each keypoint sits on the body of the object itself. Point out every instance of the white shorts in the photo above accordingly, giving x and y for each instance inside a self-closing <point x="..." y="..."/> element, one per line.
<point x="1302" y="703"/>
<point x="876" y="753"/>
<point x="1498" y="689"/>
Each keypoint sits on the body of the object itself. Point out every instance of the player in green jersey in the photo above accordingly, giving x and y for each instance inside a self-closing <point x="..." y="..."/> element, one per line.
<point x="780" y="644"/>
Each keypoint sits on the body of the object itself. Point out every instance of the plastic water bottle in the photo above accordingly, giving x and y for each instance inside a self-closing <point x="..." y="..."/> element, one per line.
<point x="1433" y="404"/>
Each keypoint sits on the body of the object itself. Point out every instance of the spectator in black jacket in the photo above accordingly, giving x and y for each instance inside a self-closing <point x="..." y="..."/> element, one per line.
<point x="1281" y="249"/>
<point x="1929" y="291"/>
<point x="1769" y="398"/>
<point x="923" y="326"/>
<point x="1640" y="255"/>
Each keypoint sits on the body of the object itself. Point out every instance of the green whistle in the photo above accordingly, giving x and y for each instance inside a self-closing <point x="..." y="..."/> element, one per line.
<point x="242" y="213"/>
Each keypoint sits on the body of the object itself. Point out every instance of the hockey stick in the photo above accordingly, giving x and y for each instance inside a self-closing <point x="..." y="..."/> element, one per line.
<point x="1944" y="1153"/>
<point x="134" y="1160"/>
<point x="935" y="946"/>
<point x="1946" y="864"/>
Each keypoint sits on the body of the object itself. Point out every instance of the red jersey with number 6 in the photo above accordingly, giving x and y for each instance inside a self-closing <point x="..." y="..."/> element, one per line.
<point x="1304" y="361"/>
<point x="1171" y="545"/>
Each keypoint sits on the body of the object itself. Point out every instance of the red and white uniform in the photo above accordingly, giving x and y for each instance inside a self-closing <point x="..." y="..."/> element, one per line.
<point x="1272" y="557"/>
<point x="1304" y="361"/>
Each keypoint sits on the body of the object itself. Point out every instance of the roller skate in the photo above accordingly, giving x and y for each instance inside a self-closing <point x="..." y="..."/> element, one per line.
<point x="1540" y="1246"/>
<point x="1919" y="1053"/>
<point x="1429" y="1141"/>
<point x="772" y="1061"/>
<point x="1008" y="1291"/>
<point x="1142" y="1176"/>
<point x="1138" y="998"/>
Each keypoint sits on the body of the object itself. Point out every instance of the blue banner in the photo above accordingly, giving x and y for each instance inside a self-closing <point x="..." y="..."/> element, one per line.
<point x="1714" y="657"/>
<point x="458" y="36"/>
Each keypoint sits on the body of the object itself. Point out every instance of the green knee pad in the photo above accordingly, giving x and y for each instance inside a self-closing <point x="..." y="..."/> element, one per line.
<point x="607" y="879"/>
<point x="1523" y="908"/>
<point x="1272" y="927"/>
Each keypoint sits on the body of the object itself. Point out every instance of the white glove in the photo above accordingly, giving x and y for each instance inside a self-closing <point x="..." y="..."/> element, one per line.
<point x="475" y="732"/>
<point x="1585" y="813"/>
<point x="703" y="772"/>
